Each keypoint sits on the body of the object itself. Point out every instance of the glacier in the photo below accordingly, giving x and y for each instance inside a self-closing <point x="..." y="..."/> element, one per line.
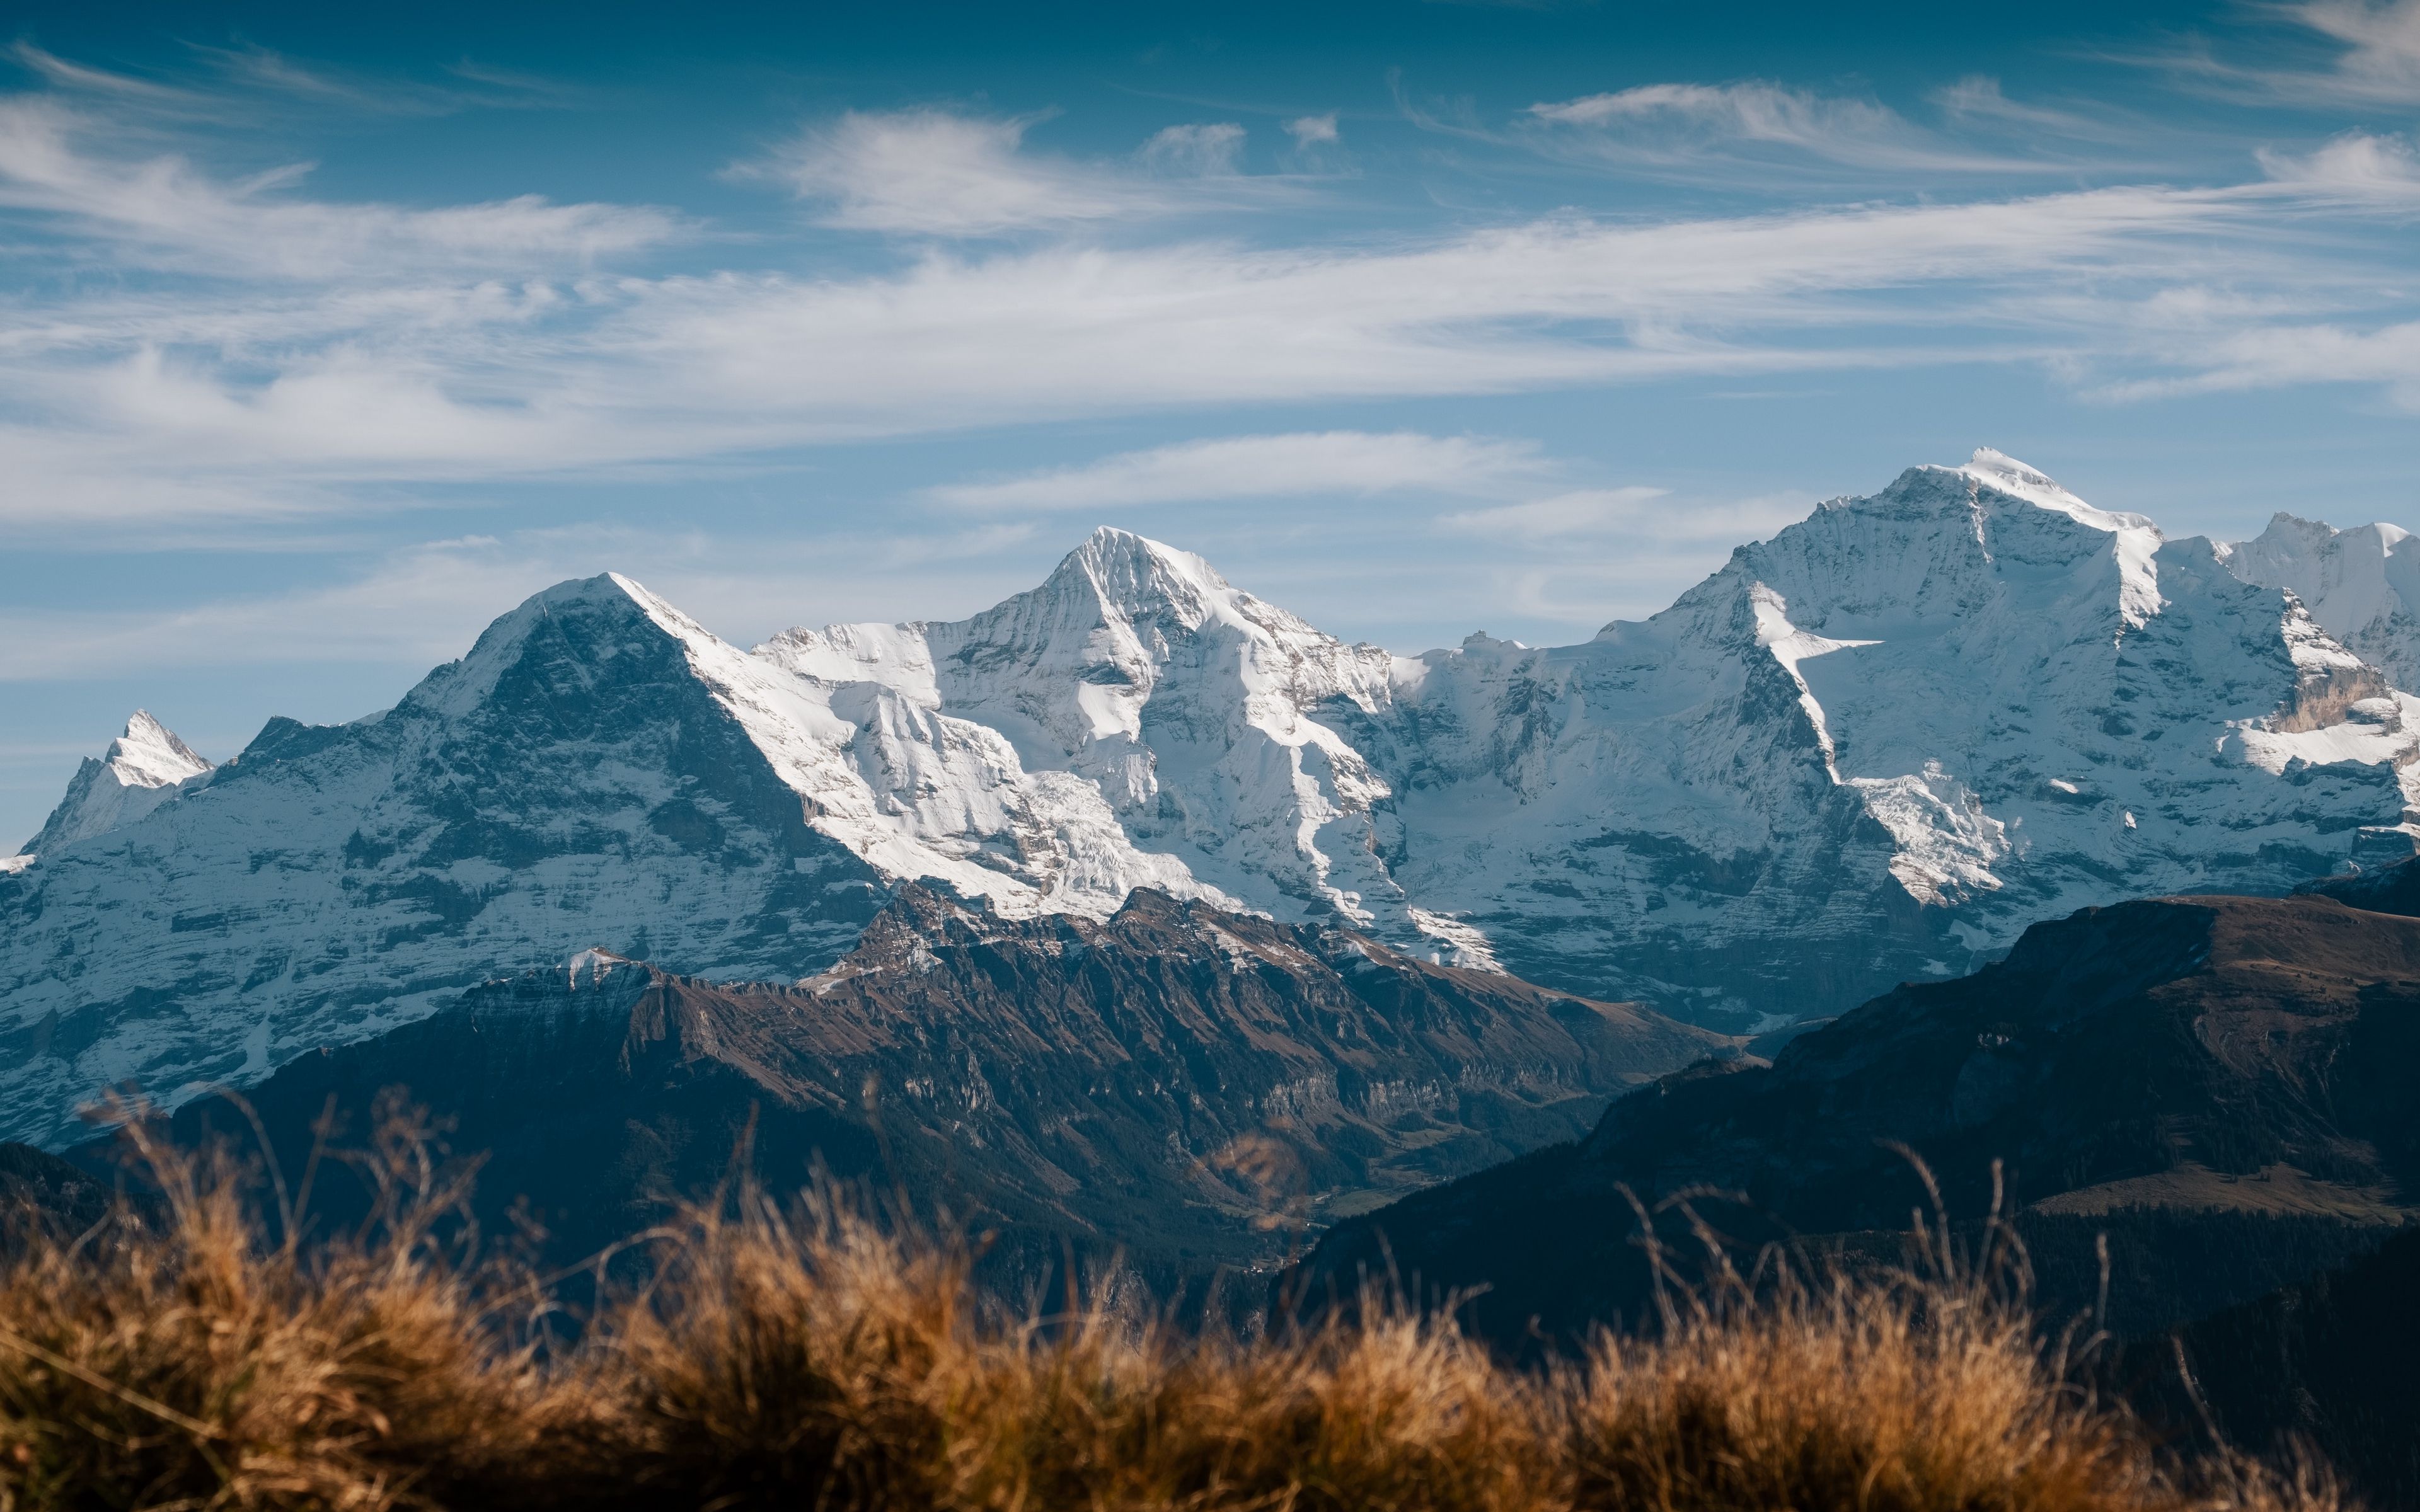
<point x="1869" y="750"/>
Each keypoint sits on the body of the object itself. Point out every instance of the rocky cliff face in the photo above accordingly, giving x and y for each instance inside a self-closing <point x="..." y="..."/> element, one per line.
<point x="1866" y="750"/>
<point x="2219" y="1084"/>
<point x="1183" y="1084"/>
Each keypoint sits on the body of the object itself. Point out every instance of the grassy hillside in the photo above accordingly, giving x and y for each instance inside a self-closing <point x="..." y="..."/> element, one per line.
<point x="801" y="1356"/>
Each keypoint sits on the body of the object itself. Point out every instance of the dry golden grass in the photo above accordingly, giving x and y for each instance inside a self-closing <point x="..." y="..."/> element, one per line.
<point x="804" y="1357"/>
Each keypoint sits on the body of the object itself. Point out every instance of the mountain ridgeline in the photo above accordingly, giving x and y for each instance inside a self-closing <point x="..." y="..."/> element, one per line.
<point x="2218" y="1086"/>
<point x="1868" y="751"/>
<point x="1186" y="1087"/>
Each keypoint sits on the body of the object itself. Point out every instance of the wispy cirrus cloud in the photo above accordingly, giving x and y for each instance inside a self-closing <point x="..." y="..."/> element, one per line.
<point x="2325" y="52"/>
<point x="1304" y="464"/>
<point x="432" y="381"/>
<point x="1672" y="123"/>
<point x="2357" y="168"/>
<point x="933" y="172"/>
<point x="1636" y="514"/>
<point x="160" y="208"/>
<point x="2380" y="39"/>
<point x="424" y="603"/>
<point x="297" y="352"/>
<point x="1581" y="512"/>
<point x="1314" y="130"/>
<point x="470" y="87"/>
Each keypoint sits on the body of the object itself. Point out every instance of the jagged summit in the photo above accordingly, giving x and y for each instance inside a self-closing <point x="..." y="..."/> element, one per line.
<point x="1134" y="577"/>
<point x="149" y="752"/>
<point x="2362" y="584"/>
<point x="583" y="622"/>
<point x="1868" y="750"/>
<point x="140" y="770"/>
<point x="2004" y="473"/>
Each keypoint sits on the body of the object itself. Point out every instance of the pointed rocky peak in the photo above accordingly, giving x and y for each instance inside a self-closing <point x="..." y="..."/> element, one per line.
<point x="1976" y="494"/>
<point x="149" y="755"/>
<point x="593" y="965"/>
<point x="1137" y="578"/>
<point x="583" y="625"/>
<point x="2361" y="585"/>
<point x="141" y="769"/>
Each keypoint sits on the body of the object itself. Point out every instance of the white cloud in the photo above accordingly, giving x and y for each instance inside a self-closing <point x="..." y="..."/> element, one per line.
<point x="1198" y="150"/>
<point x="433" y="380"/>
<point x="2373" y="58"/>
<point x="1634" y="514"/>
<point x="425" y="604"/>
<point x="2355" y="166"/>
<point x="1581" y="512"/>
<point x="939" y="173"/>
<point x="2382" y="56"/>
<point x="1978" y="102"/>
<point x="161" y="210"/>
<point x="1314" y="131"/>
<point x="336" y="349"/>
<point x="2281" y="355"/>
<point x="1259" y="467"/>
<point x="1671" y="122"/>
<point x="932" y="172"/>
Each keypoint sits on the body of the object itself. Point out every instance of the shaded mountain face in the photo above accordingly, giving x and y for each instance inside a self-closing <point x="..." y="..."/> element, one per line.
<point x="2386" y="890"/>
<point x="1180" y="1084"/>
<point x="579" y="776"/>
<point x="2324" y="1364"/>
<point x="1866" y="750"/>
<point x="2220" y="1084"/>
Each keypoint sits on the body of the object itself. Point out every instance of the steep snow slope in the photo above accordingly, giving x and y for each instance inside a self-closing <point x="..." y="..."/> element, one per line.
<point x="591" y="771"/>
<point x="1865" y="750"/>
<point x="2363" y="584"/>
<point x="1138" y="678"/>
<point x="1881" y="743"/>
<point x="140" y="770"/>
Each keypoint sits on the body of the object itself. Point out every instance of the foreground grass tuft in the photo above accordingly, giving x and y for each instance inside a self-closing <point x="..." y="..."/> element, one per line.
<point x="804" y="1357"/>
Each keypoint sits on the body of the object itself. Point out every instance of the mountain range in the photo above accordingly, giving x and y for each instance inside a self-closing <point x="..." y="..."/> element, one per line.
<point x="1182" y="1086"/>
<point x="1869" y="750"/>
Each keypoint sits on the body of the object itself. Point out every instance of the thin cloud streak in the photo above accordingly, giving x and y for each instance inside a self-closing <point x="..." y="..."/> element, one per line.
<point x="938" y="173"/>
<point x="162" y="211"/>
<point x="569" y="377"/>
<point x="1666" y="124"/>
<point x="501" y="341"/>
<point x="1259" y="467"/>
<point x="424" y="605"/>
<point x="2377" y="61"/>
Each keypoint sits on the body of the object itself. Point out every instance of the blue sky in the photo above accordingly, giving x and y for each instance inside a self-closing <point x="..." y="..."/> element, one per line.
<point x="325" y="337"/>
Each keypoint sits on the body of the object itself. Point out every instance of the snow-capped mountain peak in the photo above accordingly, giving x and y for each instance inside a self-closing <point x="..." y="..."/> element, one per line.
<point x="1868" y="750"/>
<point x="142" y="768"/>
<point x="2135" y="540"/>
<point x="149" y="755"/>
<point x="1187" y="704"/>
<point x="2362" y="584"/>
